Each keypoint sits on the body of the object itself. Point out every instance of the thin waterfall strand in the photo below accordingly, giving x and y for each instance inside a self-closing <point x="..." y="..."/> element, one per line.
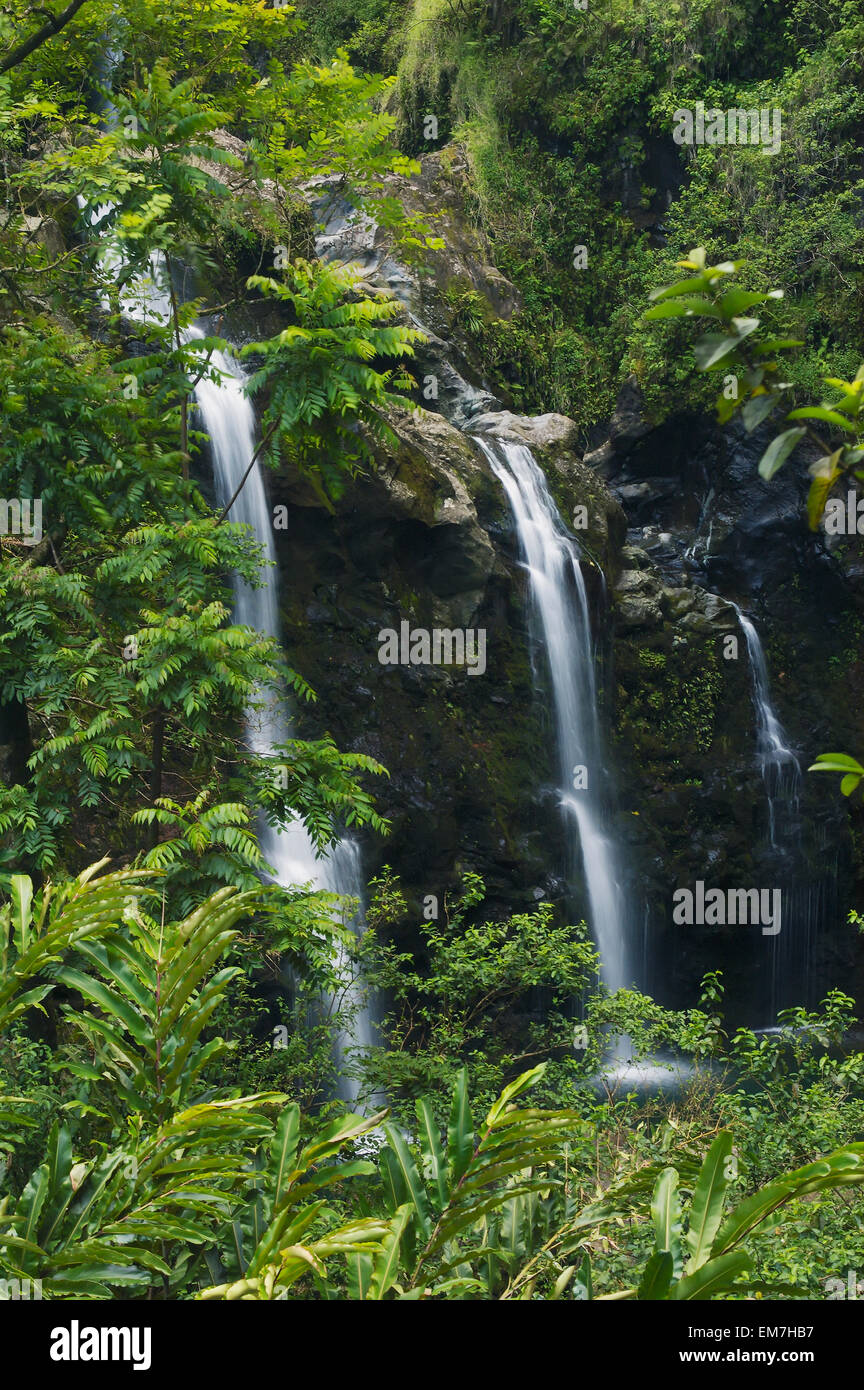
<point x="562" y="619"/>
<point x="781" y="771"/>
<point x="229" y="421"/>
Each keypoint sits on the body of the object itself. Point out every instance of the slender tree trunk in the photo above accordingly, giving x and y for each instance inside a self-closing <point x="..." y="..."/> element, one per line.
<point x="184" y="404"/>
<point x="156" y="774"/>
<point x="262" y="444"/>
<point x="184" y="434"/>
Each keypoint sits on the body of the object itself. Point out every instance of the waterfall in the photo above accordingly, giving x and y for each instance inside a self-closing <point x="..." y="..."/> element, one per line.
<point x="560" y="614"/>
<point x="229" y="420"/>
<point x="806" y="905"/>
<point x="781" y="771"/>
<point x="230" y="423"/>
<point x="561" y="619"/>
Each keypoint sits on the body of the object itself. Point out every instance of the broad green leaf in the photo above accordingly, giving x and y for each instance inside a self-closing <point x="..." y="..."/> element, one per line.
<point x="461" y="1215"/>
<point x="284" y="1150"/>
<point x="395" y="1187"/>
<point x="727" y="404"/>
<point x="684" y="308"/>
<point x="107" y="999"/>
<point x="331" y="1174"/>
<point x="682" y="287"/>
<point x="820" y="412"/>
<point x="522" y="1083"/>
<point x="656" y="1278"/>
<point x="778" y="451"/>
<point x="460" y="1131"/>
<point x="757" y="409"/>
<point x="561" y="1283"/>
<point x="843" y="1168"/>
<point x="21" y="888"/>
<point x="836" y="762"/>
<point x="706" y="1208"/>
<point x="712" y="348"/>
<point x="359" y="1265"/>
<point x="386" y="1262"/>
<point x="734" y="302"/>
<point x="712" y="1278"/>
<point x="825" y="474"/>
<point x="412" y="1179"/>
<point x="767" y="346"/>
<point x="666" y="1216"/>
<point x="430" y="1146"/>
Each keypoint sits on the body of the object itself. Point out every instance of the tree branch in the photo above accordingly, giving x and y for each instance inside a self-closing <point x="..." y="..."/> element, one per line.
<point x="48" y="30"/>
<point x="266" y="439"/>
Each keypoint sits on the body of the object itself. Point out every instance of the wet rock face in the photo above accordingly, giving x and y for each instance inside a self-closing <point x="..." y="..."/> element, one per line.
<point x="704" y="529"/>
<point x="426" y="539"/>
<point x="676" y="524"/>
<point x="423" y="540"/>
<point x="450" y="379"/>
<point x="465" y="261"/>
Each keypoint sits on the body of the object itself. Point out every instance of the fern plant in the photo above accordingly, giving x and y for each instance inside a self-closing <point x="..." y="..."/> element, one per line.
<point x="319" y="376"/>
<point x="210" y="843"/>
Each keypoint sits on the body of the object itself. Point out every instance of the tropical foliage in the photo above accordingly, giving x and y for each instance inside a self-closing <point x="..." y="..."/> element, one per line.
<point x="155" y="1181"/>
<point x="188" y="1110"/>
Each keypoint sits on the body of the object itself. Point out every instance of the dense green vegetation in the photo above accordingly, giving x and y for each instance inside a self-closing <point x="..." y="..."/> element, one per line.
<point x="561" y="113"/>
<point x="209" y="1192"/>
<point x="169" y="1127"/>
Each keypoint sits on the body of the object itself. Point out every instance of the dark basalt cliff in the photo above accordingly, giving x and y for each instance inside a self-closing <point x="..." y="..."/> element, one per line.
<point x="679" y="528"/>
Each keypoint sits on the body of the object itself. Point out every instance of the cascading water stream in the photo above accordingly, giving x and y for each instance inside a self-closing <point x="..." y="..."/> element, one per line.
<point x="562" y="620"/>
<point x="559" y="601"/>
<point x="781" y="771"/>
<point x="229" y="420"/>
<point x="231" y="426"/>
<point x="806" y="902"/>
<point x="230" y="423"/>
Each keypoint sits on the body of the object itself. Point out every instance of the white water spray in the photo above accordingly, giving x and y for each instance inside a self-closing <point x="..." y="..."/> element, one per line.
<point x="562" y="620"/>
<point x="781" y="771"/>
<point x="229" y="420"/>
<point x="230" y="423"/>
